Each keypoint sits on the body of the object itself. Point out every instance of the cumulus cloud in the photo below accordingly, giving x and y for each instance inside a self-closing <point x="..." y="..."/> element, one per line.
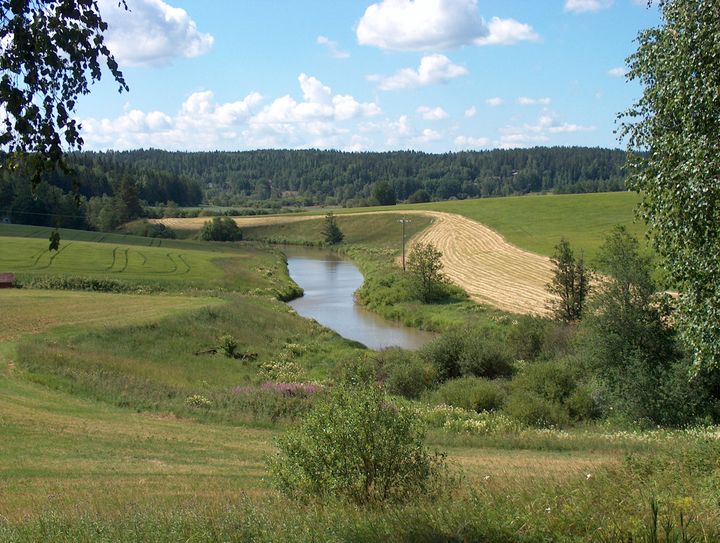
<point x="537" y="133"/>
<point x="332" y="47"/>
<point x="617" y="72"/>
<point x="433" y="69"/>
<point x="319" y="104"/>
<point x="427" y="136"/>
<point x="495" y="101"/>
<point x="432" y="113"/>
<point x="586" y="6"/>
<point x="201" y="123"/>
<point x="507" y="32"/>
<point x="421" y="25"/>
<point x="152" y="33"/>
<point x="470" y="112"/>
<point x="468" y="142"/>
<point x="526" y="101"/>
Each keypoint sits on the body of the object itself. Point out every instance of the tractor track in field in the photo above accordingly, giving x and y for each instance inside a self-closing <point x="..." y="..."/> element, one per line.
<point x="475" y="257"/>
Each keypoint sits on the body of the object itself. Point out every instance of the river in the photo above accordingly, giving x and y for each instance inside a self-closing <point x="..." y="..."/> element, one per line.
<point x="329" y="282"/>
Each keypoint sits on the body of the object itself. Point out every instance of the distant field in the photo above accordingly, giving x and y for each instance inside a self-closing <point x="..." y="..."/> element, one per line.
<point x="533" y="223"/>
<point x="168" y="263"/>
<point x="536" y="223"/>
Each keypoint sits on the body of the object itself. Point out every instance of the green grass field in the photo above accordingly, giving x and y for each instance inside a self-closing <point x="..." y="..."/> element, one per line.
<point x="537" y="222"/>
<point x="146" y="262"/>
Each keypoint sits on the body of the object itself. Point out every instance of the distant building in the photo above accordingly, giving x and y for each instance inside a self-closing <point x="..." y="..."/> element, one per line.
<point x="7" y="280"/>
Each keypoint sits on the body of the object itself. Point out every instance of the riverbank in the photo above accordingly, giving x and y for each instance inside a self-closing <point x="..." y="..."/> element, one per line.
<point x="330" y="282"/>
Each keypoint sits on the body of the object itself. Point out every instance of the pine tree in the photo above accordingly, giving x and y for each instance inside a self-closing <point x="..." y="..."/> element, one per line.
<point x="570" y="284"/>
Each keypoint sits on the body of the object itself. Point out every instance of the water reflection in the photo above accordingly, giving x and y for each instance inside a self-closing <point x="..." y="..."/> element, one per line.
<point x="330" y="282"/>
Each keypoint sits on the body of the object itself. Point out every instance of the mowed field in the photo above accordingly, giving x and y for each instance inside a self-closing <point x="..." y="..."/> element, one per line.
<point x="155" y="263"/>
<point x="498" y="249"/>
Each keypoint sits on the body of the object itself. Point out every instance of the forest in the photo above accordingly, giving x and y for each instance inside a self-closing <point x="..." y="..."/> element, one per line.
<point x="97" y="181"/>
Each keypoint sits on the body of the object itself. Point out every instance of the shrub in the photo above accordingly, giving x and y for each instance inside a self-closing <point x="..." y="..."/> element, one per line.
<point x="528" y="336"/>
<point x="444" y="354"/>
<point x="554" y="380"/>
<point x="534" y="410"/>
<point x="485" y="355"/>
<point x="220" y="229"/>
<point x="228" y="345"/>
<point x="551" y="393"/>
<point x="471" y="393"/>
<point x="356" y="446"/>
<point x="401" y="372"/>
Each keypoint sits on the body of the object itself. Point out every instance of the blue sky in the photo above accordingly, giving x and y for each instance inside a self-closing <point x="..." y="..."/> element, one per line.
<point x="429" y="75"/>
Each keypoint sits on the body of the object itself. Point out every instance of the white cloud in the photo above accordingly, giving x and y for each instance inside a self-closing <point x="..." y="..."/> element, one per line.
<point x="421" y="25"/>
<point x="586" y="6"/>
<point x="427" y="136"/>
<point x="468" y="142"/>
<point x="525" y="101"/>
<point x="318" y="120"/>
<point x="495" y="101"/>
<point x="432" y="114"/>
<point x="507" y="32"/>
<point x="152" y="33"/>
<point x="617" y="72"/>
<point x="566" y="128"/>
<point x="537" y="133"/>
<point x="470" y="112"/>
<point x="433" y="69"/>
<point x="332" y="47"/>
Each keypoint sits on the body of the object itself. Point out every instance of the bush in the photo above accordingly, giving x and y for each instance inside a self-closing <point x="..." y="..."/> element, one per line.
<point x="228" y="345"/>
<point x="551" y="393"/>
<point x="403" y="373"/>
<point x="471" y="393"/>
<point x="221" y="229"/>
<point x="356" y="446"/>
<point x="534" y="410"/>
<point x="444" y="354"/>
<point x="485" y="355"/>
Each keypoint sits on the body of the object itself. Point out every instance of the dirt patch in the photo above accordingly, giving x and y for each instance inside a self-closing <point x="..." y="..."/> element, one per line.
<point x="478" y="259"/>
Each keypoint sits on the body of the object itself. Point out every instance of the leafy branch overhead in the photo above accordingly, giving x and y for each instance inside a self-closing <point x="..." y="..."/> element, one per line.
<point x="52" y="51"/>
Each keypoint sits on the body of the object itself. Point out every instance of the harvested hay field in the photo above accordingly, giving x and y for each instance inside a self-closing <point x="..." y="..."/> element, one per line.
<point x="487" y="267"/>
<point x="478" y="259"/>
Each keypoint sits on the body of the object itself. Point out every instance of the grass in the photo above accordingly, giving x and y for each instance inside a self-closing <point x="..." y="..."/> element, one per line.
<point x="143" y="262"/>
<point x="157" y="365"/>
<point x="99" y="444"/>
<point x="537" y="222"/>
<point x="29" y="311"/>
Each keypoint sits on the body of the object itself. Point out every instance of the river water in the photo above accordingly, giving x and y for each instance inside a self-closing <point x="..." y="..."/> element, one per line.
<point x="329" y="282"/>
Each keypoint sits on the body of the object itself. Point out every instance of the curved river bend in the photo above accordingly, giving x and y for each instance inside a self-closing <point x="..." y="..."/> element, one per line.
<point x="329" y="282"/>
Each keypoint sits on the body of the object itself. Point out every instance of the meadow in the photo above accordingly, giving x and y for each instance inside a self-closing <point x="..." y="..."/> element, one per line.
<point x="537" y="222"/>
<point x="124" y="420"/>
<point x="133" y="262"/>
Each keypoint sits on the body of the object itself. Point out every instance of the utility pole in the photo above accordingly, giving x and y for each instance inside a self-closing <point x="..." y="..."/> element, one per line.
<point x="403" y="221"/>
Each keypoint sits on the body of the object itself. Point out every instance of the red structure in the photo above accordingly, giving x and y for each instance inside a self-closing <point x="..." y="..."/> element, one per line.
<point x="7" y="280"/>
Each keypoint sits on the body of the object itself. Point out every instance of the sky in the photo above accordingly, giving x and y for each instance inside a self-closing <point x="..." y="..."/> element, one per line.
<point x="362" y="75"/>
